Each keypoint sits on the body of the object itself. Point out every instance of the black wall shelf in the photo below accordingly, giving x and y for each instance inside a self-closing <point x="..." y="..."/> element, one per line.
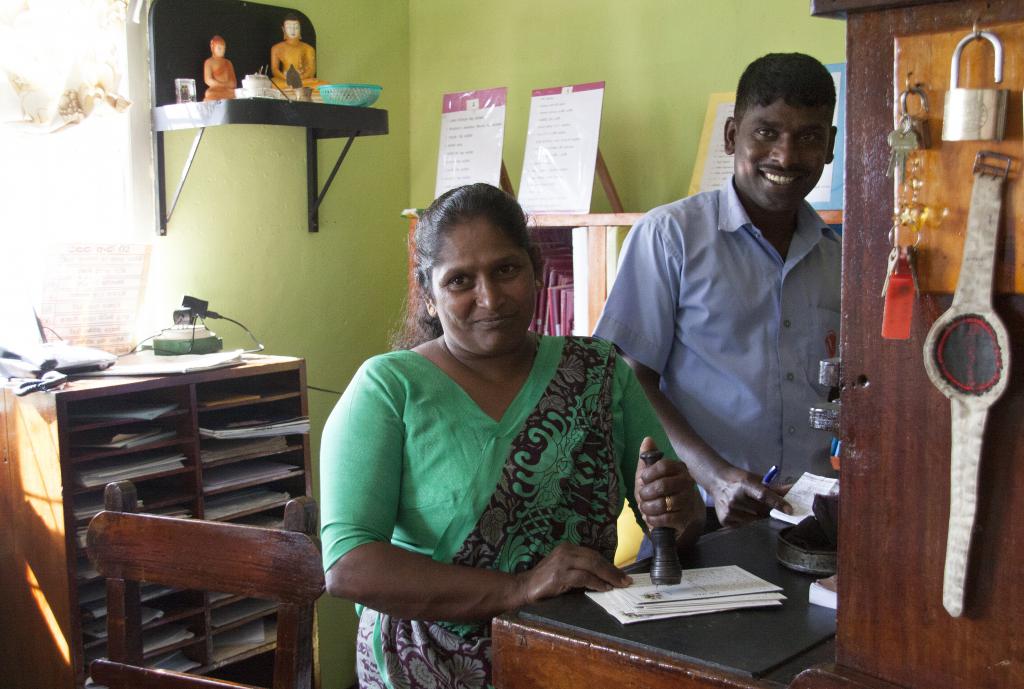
<point x="180" y="31"/>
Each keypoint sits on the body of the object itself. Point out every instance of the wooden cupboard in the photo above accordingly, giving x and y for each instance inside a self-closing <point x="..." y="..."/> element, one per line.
<point x="57" y="453"/>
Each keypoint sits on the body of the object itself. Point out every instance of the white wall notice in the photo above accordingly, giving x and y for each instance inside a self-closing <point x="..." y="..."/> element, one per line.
<point x="561" y="149"/>
<point x="472" y="134"/>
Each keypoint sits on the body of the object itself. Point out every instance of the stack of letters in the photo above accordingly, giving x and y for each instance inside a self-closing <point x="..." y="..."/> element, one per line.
<point x="712" y="589"/>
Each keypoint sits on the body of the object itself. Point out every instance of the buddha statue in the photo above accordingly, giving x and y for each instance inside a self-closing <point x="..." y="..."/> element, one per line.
<point x="218" y="72"/>
<point x="293" y="52"/>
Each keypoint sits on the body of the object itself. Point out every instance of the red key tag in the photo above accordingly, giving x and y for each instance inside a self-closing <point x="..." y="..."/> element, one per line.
<point x="899" y="299"/>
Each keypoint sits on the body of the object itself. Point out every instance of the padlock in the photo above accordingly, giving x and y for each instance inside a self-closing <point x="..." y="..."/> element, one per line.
<point x="975" y="114"/>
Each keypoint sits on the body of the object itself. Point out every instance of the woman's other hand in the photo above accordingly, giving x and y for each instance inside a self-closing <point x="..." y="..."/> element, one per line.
<point x="565" y="568"/>
<point x="667" y="496"/>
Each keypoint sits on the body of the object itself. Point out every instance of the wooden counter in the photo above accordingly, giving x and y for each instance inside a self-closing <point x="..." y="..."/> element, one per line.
<point x="570" y="641"/>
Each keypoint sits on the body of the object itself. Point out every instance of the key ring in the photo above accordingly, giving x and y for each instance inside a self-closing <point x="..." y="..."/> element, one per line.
<point x="892" y="235"/>
<point x="921" y="95"/>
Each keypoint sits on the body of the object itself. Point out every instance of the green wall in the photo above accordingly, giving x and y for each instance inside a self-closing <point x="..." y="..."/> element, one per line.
<point x="659" y="58"/>
<point x="238" y="236"/>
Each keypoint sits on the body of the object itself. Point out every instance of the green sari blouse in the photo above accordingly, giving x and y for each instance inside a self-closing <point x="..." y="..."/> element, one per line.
<point x="407" y="457"/>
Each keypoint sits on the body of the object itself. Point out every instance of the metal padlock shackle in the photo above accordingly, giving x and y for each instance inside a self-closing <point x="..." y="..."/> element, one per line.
<point x="997" y="47"/>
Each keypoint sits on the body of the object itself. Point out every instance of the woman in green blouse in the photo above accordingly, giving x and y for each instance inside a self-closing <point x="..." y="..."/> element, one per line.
<point x="482" y="467"/>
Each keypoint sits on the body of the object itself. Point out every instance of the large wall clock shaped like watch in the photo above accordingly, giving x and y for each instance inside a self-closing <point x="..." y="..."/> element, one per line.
<point x="967" y="357"/>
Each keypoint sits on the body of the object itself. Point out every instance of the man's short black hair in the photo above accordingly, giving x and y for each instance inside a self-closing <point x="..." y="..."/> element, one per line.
<point x="798" y="79"/>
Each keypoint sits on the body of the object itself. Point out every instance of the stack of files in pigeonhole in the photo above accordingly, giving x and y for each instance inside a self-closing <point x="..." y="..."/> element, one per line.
<point x="701" y="591"/>
<point x="268" y="470"/>
<point x="243" y="501"/>
<point x="258" y="428"/>
<point x="102" y="471"/>
<point x="119" y="441"/>
<point x="88" y="505"/>
<point x="216" y="450"/>
<point x="97" y="608"/>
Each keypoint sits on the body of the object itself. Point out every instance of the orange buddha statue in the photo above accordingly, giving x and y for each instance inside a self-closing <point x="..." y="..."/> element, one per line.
<point x="293" y="52"/>
<point x="218" y="72"/>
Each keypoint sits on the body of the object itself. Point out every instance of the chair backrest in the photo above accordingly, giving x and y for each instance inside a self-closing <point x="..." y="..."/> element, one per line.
<point x="275" y="564"/>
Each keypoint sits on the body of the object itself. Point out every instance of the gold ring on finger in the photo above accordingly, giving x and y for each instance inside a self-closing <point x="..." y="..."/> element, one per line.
<point x="668" y="503"/>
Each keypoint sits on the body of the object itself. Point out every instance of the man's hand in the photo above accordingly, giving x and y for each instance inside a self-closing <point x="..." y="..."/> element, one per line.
<point x="740" y="497"/>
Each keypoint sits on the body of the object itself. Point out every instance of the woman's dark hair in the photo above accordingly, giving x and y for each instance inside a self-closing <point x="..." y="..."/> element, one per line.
<point x="456" y="206"/>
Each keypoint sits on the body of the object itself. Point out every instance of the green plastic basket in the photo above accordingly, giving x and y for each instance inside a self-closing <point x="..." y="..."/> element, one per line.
<point x="359" y="95"/>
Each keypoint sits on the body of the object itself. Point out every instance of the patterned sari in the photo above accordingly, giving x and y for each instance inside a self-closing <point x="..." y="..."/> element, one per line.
<point x="558" y="484"/>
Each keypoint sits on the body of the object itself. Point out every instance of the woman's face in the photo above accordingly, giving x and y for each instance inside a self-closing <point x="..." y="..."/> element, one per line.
<point x="483" y="287"/>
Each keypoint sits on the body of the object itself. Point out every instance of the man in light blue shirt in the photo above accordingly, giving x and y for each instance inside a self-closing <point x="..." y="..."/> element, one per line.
<point x="726" y="301"/>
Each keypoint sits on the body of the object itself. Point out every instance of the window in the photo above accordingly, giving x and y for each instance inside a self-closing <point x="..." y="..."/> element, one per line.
<point x="76" y="163"/>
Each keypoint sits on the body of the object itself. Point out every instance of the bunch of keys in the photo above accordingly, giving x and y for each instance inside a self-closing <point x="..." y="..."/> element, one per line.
<point x="911" y="134"/>
<point x="900" y="288"/>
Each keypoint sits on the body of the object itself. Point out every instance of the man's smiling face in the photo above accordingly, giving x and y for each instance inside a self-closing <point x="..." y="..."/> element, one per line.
<point x="780" y="151"/>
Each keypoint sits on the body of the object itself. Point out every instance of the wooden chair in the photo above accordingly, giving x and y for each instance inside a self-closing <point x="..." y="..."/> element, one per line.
<point x="275" y="564"/>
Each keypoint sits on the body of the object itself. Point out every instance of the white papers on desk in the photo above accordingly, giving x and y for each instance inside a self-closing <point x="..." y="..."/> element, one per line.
<point x="103" y="471"/>
<point x="258" y="428"/>
<point x="701" y="591"/>
<point x="149" y="364"/>
<point x="824" y="592"/>
<point x="801" y="496"/>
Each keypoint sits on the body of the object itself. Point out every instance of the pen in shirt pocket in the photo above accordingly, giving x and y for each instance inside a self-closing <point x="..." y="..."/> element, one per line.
<point x="770" y="475"/>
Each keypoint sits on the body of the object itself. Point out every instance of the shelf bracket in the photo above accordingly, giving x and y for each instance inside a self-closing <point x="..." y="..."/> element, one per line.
<point x="161" y="182"/>
<point x="315" y="198"/>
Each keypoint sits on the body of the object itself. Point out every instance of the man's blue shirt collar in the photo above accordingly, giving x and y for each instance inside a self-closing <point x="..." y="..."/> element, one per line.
<point x="735" y="215"/>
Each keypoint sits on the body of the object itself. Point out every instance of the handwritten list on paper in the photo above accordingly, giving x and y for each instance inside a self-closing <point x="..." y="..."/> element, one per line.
<point x="472" y="134"/>
<point x="93" y="294"/>
<point x="561" y="149"/>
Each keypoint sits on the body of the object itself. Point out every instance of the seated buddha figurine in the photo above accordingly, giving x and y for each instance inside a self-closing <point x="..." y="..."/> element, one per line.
<point x="293" y="52"/>
<point x="218" y="72"/>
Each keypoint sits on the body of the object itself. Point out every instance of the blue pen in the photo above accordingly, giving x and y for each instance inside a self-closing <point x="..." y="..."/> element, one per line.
<point x="770" y="475"/>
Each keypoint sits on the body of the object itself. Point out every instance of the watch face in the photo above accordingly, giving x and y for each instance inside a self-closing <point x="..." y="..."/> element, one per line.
<point x="967" y="354"/>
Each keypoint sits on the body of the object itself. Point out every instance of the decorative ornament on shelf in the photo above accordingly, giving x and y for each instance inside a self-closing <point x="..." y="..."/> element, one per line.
<point x="292" y="53"/>
<point x="358" y="95"/>
<point x="218" y="72"/>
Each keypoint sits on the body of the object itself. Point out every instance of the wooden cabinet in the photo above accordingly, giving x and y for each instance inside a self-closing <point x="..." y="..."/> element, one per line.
<point x="892" y="628"/>
<point x="60" y="450"/>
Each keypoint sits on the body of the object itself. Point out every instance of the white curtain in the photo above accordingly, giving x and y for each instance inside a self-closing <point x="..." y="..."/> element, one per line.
<point x="61" y="61"/>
